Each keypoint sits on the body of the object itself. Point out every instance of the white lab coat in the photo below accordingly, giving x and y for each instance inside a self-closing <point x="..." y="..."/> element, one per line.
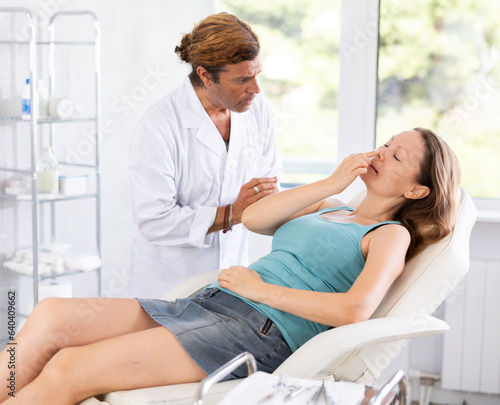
<point x="180" y="173"/>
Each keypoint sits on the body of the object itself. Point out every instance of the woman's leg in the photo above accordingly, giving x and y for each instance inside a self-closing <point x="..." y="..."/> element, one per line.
<point x="142" y="359"/>
<point x="57" y="323"/>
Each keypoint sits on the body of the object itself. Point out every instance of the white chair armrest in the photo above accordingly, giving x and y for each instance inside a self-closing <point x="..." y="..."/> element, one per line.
<point x="191" y="285"/>
<point x="324" y="348"/>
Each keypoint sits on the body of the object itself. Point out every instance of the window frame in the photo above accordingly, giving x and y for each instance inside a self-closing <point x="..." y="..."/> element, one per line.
<point x="358" y="76"/>
<point x="358" y="82"/>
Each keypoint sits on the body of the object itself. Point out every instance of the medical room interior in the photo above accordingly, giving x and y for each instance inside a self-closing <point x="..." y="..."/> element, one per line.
<point x="342" y="76"/>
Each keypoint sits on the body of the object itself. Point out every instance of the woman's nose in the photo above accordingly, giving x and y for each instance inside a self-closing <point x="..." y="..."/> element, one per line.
<point x="381" y="154"/>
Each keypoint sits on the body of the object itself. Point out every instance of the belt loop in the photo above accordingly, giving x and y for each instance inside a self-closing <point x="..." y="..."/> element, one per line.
<point x="267" y="326"/>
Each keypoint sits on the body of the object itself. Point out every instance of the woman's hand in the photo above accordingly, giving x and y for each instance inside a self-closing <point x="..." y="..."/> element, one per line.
<point x="351" y="167"/>
<point x="242" y="281"/>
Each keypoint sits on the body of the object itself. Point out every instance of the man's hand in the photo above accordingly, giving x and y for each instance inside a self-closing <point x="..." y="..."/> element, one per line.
<point x="251" y="192"/>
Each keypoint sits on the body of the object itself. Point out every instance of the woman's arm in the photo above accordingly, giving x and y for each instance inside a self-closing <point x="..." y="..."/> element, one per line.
<point x="268" y="214"/>
<point x="384" y="263"/>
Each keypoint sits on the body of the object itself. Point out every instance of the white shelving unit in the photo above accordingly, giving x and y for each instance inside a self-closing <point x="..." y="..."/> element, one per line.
<point x="33" y="125"/>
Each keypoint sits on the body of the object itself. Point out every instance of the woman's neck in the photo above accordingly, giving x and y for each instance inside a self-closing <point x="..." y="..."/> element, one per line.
<point x="377" y="209"/>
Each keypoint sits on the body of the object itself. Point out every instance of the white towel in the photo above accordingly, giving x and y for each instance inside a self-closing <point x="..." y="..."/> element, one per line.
<point x="51" y="262"/>
<point x="270" y="389"/>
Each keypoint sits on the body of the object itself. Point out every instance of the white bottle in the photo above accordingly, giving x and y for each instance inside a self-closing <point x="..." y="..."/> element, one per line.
<point x="26" y="100"/>
<point x="48" y="172"/>
<point x="43" y="95"/>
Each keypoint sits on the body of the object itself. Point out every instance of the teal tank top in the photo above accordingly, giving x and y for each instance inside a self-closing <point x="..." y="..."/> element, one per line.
<point x="310" y="253"/>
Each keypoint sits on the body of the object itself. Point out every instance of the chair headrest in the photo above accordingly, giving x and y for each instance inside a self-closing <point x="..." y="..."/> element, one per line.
<point x="434" y="273"/>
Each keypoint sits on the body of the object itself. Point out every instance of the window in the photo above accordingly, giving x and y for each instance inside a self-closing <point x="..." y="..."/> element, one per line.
<point x="299" y="48"/>
<point x="439" y="68"/>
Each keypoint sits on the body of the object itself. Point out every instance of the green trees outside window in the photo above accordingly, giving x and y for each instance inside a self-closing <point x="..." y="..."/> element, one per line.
<point x="439" y="66"/>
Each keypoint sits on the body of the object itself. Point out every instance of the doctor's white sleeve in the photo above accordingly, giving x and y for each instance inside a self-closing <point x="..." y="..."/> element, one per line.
<point x="153" y="190"/>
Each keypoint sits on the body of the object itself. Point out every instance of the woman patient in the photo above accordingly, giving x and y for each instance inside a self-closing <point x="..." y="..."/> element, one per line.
<point x="330" y="265"/>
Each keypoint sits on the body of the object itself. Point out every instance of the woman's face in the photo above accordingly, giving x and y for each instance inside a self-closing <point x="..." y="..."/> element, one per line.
<point x="395" y="169"/>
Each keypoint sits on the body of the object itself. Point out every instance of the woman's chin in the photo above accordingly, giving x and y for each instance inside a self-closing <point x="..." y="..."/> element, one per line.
<point x="365" y="177"/>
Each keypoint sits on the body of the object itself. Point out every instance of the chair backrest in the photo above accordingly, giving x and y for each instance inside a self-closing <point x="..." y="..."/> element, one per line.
<point x="424" y="284"/>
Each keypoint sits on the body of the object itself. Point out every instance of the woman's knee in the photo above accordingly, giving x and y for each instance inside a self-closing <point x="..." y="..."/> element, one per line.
<point x="52" y="320"/>
<point x="57" y="375"/>
<point x="47" y="308"/>
<point x="59" y="365"/>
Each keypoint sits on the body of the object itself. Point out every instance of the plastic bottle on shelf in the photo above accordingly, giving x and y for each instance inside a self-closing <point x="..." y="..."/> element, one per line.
<point x="26" y="100"/>
<point x="48" y="172"/>
<point x="43" y="95"/>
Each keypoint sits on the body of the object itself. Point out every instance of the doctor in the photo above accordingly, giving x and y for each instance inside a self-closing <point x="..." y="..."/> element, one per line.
<point x="199" y="157"/>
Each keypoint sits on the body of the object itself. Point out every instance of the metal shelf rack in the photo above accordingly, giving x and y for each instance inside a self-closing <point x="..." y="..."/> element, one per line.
<point x="34" y="121"/>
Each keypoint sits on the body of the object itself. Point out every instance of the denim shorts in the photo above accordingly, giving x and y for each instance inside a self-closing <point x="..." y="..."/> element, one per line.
<point x="214" y="327"/>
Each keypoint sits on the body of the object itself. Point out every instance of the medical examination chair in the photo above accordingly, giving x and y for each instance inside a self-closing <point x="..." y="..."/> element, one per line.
<point x="358" y="352"/>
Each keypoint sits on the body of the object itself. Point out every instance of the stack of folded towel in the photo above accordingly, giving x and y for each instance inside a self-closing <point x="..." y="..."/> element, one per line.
<point x="53" y="259"/>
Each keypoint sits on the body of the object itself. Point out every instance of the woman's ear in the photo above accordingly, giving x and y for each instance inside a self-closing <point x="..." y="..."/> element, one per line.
<point x="417" y="192"/>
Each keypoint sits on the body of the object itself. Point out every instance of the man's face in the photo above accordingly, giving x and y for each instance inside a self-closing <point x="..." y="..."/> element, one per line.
<point x="237" y="86"/>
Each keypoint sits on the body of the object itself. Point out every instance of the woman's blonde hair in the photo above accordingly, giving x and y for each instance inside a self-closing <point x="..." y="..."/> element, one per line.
<point x="217" y="41"/>
<point x="432" y="218"/>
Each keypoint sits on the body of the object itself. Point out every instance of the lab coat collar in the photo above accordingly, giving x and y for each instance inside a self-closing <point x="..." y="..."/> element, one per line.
<point x="211" y="138"/>
<point x="238" y="134"/>
<point x="193" y="115"/>
<point x="191" y="110"/>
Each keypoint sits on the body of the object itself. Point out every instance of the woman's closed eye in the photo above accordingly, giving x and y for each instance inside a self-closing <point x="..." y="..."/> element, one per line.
<point x="395" y="157"/>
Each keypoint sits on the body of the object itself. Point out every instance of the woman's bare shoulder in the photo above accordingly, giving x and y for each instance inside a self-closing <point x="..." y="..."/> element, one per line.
<point x="393" y="231"/>
<point x="331" y="202"/>
<point x="390" y="240"/>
